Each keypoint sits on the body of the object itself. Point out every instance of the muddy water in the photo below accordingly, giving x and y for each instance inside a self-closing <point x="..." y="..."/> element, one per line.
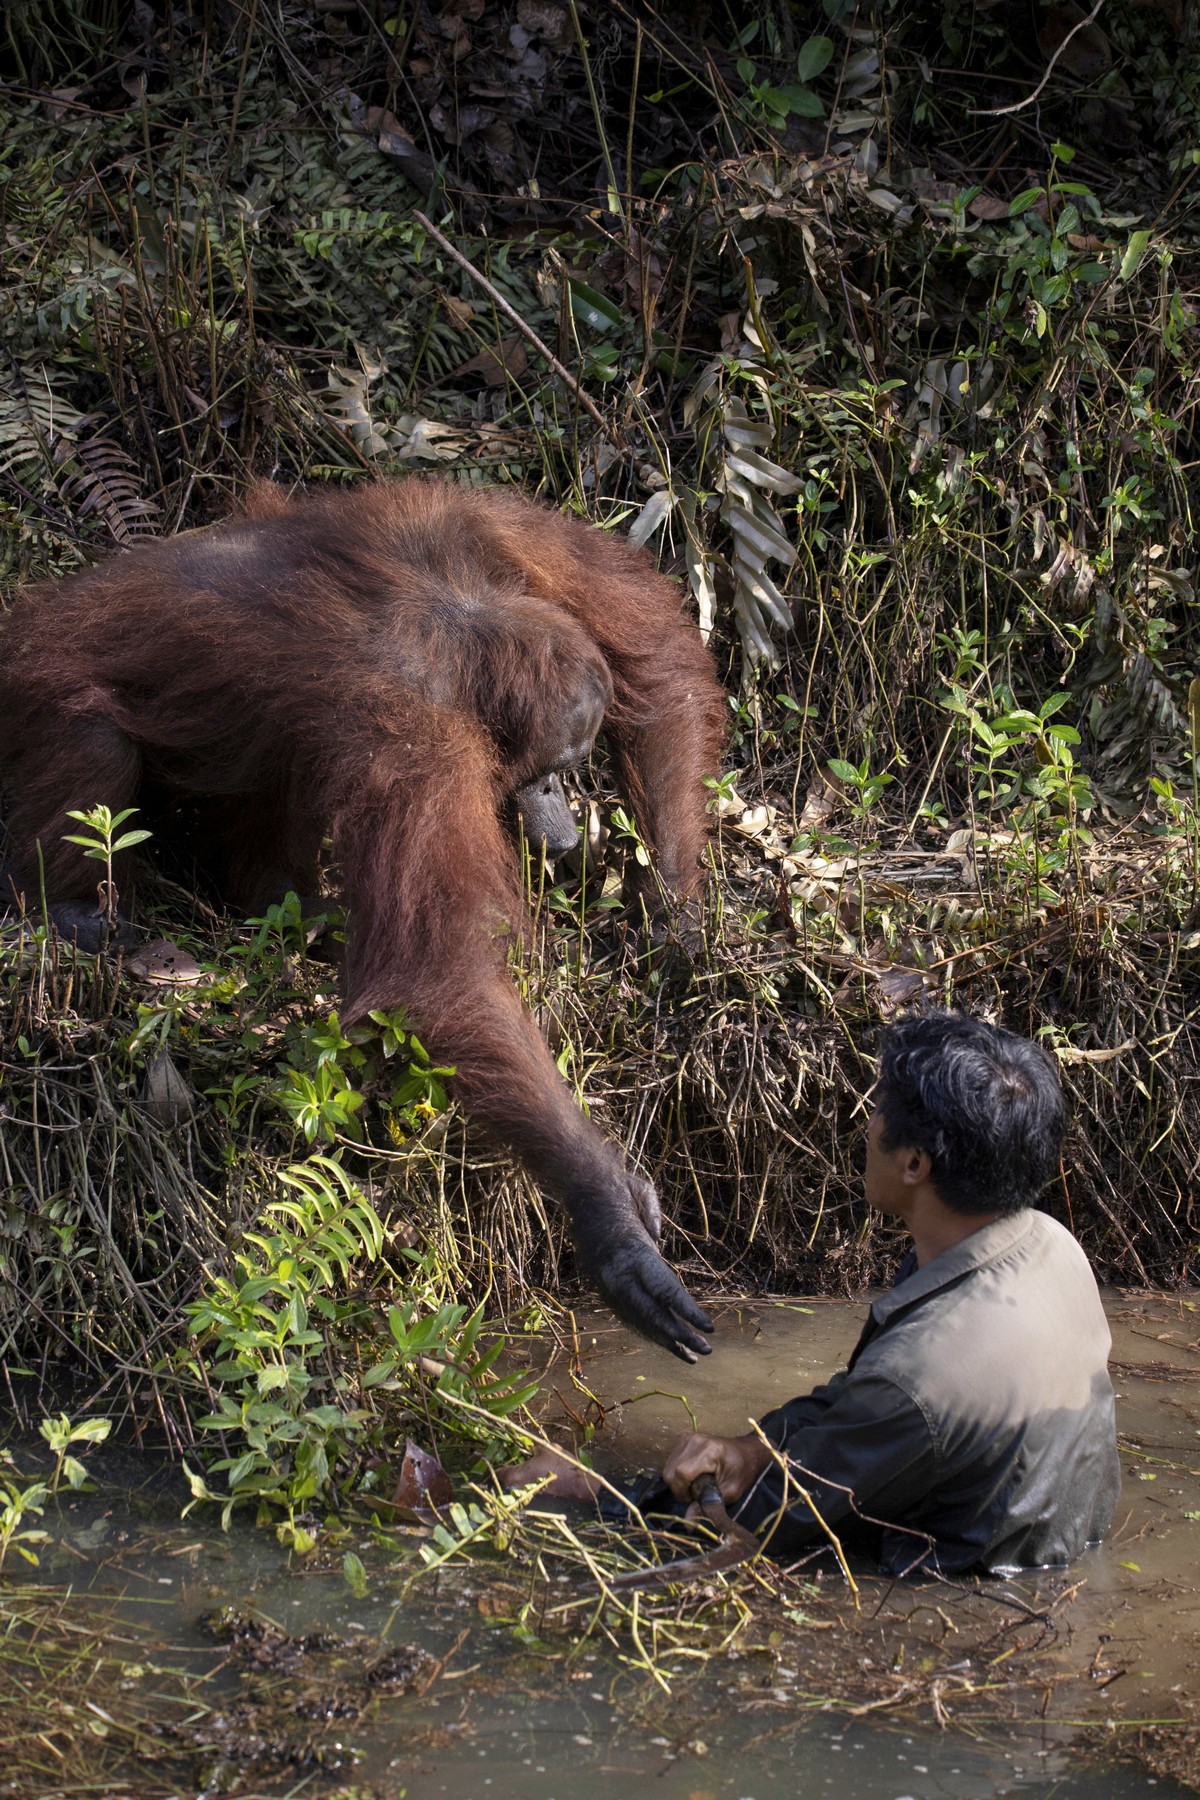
<point x="1139" y="1592"/>
<point x="503" y="1718"/>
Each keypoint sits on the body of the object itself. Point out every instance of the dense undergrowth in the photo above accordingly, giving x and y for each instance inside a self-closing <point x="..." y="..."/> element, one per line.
<point x="894" y="362"/>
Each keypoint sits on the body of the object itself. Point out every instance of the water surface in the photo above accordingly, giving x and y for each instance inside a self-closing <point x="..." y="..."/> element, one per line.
<point x="1117" y="1639"/>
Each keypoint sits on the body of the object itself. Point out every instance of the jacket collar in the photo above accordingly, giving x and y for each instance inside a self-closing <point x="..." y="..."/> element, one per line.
<point x="987" y="1245"/>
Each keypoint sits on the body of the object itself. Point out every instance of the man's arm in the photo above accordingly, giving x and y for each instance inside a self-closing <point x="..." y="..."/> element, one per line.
<point x="735" y="1463"/>
<point x="866" y="1448"/>
<point x="870" y="1453"/>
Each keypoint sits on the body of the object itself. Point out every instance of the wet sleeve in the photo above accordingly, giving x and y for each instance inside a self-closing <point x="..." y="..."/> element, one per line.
<point x="868" y="1451"/>
<point x="780" y="1424"/>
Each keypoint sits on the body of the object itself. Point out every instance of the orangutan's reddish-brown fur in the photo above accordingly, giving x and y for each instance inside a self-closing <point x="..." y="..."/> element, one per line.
<point x="382" y="667"/>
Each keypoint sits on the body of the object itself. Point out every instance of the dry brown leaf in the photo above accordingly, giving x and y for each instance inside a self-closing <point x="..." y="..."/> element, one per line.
<point x="1081" y="48"/>
<point x="395" y="141"/>
<point x="896" y="988"/>
<point x="755" y="821"/>
<point x="166" y="1096"/>
<point x="58" y="102"/>
<point x="822" y="800"/>
<point x="389" y="132"/>
<point x="459" y="312"/>
<point x="164" y="962"/>
<point x="422" y="1481"/>
<point x="500" y="1601"/>
<point x="988" y="206"/>
<point x="544" y="20"/>
<point x="498" y="369"/>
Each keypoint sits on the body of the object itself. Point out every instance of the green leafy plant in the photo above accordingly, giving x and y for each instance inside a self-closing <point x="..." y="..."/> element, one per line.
<point x="1022" y="755"/>
<point x="489" y="1522"/>
<point x="236" y="1097"/>
<point x="324" y="1085"/>
<point x="155" y="1025"/>
<point x="420" y="1094"/>
<point x="772" y="103"/>
<point x="321" y="1105"/>
<point x="285" y="1413"/>
<point x="1025" y="775"/>
<point x="281" y="930"/>
<point x="60" y="1434"/>
<point x="723" y="789"/>
<point x="19" y="1499"/>
<point x="862" y="788"/>
<point x="354" y="1574"/>
<point x="284" y="1342"/>
<point x="442" y="1340"/>
<point x="1041" y="263"/>
<point x="100" y="844"/>
<point x="624" y="827"/>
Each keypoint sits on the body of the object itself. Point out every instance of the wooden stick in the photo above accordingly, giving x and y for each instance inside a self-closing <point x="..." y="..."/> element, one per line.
<point x="526" y="330"/>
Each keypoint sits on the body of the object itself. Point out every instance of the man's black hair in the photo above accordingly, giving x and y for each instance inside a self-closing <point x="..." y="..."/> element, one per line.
<point x="984" y="1103"/>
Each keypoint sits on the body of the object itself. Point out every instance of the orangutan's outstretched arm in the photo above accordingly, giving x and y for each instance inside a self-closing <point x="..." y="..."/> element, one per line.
<point x="425" y="868"/>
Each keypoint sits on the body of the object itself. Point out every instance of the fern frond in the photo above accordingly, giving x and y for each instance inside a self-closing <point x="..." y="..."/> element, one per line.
<point x="101" y="477"/>
<point x="35" y="421"/>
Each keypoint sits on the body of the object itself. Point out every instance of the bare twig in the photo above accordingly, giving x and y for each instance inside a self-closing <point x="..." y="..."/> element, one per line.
<point x="510" y="312"/>
<point x="993" y="112"/>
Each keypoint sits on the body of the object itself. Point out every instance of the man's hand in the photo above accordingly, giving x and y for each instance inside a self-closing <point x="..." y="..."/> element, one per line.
<point x="733" y="1463"/>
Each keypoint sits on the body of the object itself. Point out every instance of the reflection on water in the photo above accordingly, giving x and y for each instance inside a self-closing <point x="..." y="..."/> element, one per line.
<point x="495" y="1719"/>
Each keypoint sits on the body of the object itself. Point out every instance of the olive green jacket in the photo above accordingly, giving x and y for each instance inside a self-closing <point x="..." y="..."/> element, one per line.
<point x="974" y="1426"/>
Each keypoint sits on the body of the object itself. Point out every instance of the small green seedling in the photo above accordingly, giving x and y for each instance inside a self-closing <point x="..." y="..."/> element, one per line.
<point x="101" y="846"/>
<point x="18" y="1498"/>
<point x="60" y="1434"/>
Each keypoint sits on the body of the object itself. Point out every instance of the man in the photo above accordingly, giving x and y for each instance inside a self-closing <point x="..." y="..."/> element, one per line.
<point x="974" y="1426"/>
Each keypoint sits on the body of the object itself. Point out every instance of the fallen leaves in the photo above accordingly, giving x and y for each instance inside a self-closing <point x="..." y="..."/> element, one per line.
<point x="166" y="1096"/>
<point x="164" y="964"/>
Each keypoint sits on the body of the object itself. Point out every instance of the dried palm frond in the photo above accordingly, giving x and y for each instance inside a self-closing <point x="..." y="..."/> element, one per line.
<point x="734" y="445"/>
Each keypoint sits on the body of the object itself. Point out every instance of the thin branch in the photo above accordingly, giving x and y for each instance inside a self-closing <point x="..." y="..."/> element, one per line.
<point x="614" y="197"/>
<point x="994" y="112"/>
<point x="510" y="312"/>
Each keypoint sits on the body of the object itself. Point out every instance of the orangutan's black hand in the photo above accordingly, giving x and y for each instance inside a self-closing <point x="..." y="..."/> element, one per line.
<point x="614" y="1232"/>
<point x="636" y="1282"/>
<point x="81" y="923"/>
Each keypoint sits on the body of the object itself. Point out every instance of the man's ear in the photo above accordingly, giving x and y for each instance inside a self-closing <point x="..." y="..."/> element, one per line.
<point x="917" y="1167"/>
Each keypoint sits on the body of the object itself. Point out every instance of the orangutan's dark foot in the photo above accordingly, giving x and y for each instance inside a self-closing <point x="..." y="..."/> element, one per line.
<point x="82" y="924"/>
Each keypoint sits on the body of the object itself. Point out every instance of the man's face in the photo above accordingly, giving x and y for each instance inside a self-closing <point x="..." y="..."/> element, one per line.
<point x="888" y="1182"/>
